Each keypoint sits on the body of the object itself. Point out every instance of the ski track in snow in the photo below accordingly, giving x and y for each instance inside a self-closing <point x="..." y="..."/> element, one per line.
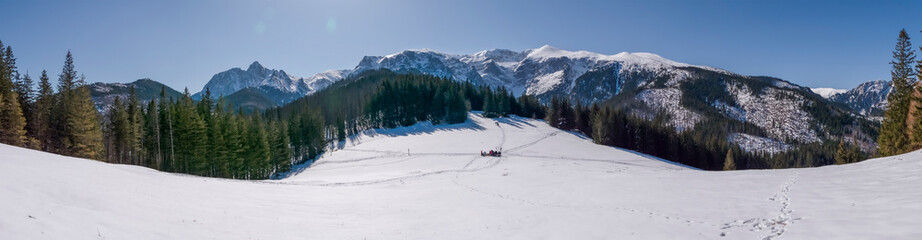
<point x="393" y="179"/>
<point x="533" y="142"/>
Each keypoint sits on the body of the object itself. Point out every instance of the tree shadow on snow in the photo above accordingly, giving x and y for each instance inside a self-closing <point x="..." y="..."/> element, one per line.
<point x="514" y="121"/>
<point x="418" y="129"/>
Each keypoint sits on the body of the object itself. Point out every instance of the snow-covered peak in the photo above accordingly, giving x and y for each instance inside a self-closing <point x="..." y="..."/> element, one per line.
<point x="827" y="92"/>
<point x="641" y="59"/>
<point x="414" y="51"/>
<point x="496" y="55"/>
<point x="645" y="59"/>
<point x="548" y="51"/>
<point x="255" y="66"/>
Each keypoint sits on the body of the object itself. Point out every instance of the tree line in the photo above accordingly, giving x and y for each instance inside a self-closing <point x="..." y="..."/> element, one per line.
<point x="384" y="99"/>
<point x="704" y="147"/>
<point x="65" y="122"/>
<point x="205" y="138"/>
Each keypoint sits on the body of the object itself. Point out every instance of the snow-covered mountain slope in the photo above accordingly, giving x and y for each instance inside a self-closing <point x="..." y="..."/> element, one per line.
<point x="104" y="94"/>
<point x="643" y="83"/>
<point x="868" y="99"/>
<point x="275" y="84"/>
<point x="827" y="92"/>
<point x="534" y="71"/>
<point x="425" y="182"/>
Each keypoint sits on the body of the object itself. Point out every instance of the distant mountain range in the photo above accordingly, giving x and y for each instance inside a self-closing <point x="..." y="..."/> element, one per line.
<point x="868" y="98"/>
<point x="785" y="114"/>
<point x="104" y="94"/>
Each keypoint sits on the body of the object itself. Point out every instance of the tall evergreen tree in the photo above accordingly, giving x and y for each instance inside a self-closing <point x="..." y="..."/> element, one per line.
<point x="729" y="162"/>
<point x="117" y="133"/>
<point x="76" y="121"/>
<point x="167" y="140"/>
<point x="135" y="139"/>
<point x="7" y="68"/>
<point x="190" y="136"/>
<point x="893" y="138"/>
<point x="12" y="122"/>
<point x="23" y="88"/>
<point x="847" y="153"/>
<point x="41" y="115"/>
<point x="152" y="136"/>
<point x="84" y="131"/>
<point x="916" y="126"/>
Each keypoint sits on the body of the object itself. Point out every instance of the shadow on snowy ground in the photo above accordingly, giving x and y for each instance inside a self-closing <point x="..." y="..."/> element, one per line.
<point x="419" y="129"/>
<point x="514" y="121"/>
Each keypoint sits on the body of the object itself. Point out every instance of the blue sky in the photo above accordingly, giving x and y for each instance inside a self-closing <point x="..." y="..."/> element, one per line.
<point x="183" y="43"/>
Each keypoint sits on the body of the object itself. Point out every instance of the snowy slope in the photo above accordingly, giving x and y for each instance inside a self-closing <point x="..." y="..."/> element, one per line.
<point x="549" y="185"/>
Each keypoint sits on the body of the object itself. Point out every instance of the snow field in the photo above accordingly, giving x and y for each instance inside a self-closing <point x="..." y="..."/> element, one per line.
<point x="549" y="184"/>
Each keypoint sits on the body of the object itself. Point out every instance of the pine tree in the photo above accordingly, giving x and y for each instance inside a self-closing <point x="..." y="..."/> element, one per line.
<point x="553" y="113"/>
<point x="258" y="150"/>
<point x="916" y="126"/>
<point x="281" y="152"/>
<point x="12" y="122"/>
<point x="7" y="68"/>
<point x="205" y="109"/>
<point x="190" y="137"/>
<point x="729" y="162"/>
<point x="84" y="132"/>
<point x="167" y="139"/>
<point x="23" y="88"/>
<point x="846" y="153"/>
<point x="135" y="128"/>
<point x="5" y="83"/>
<point x="893" y="138"/>
<point x="117" y="132"/>
<point x="152" y="136"/>
<point x="234" y="136"/>
<point x="41" y="116"/>
<point x="340" y="129"/>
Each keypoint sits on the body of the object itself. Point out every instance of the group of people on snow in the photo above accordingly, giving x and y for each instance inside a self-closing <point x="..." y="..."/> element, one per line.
<point x="491" y="153"/>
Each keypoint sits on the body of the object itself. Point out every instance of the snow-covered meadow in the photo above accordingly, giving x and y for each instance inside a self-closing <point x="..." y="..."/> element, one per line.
<point x="430" y="182"/>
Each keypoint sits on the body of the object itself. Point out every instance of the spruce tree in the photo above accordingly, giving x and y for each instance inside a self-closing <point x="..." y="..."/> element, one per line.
<point x="218" y="150"/>
<point x="12" y="122"/>
<point x="190" y="137"/>
<point x="7" y="68"/>
<point x="916" y="139"/>
<point x="23" y="88"/>
<point x="729" y="162"/>
<point x="117" y="132"/>
<point x="234" y="136"/>
<point x="340" y="129"/>
<point x="5" y="83"/>
<point x="135" y="138"/>
<point x="83" y="125"/>
<point x="41" y="116"/>
<point x="893" y="138"/>
<point x="152" y="135"/>
<point x="167" y="140"/>
<point x="205" y="108"/>
<point x="846" y="153"/>
<point x="84" y="132"/>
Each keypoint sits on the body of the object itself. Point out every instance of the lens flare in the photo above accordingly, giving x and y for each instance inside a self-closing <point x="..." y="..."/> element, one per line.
<point x="331" y="25"/>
